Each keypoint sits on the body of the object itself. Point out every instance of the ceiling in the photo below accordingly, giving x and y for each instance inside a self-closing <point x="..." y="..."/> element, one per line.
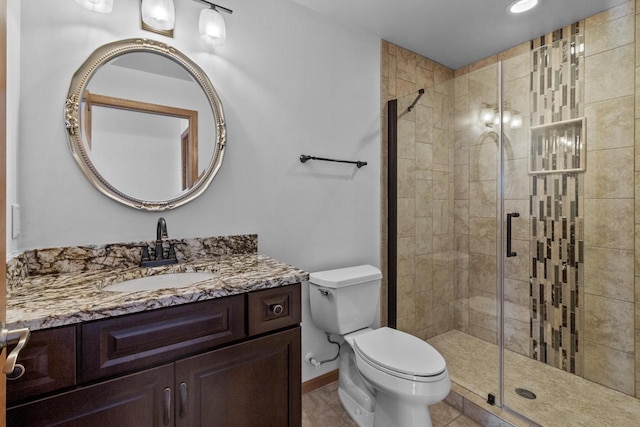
<point x="456" y="33"/>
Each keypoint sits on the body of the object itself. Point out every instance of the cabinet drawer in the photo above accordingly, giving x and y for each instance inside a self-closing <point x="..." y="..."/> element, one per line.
<point x="49" y="359"/>
<point x="273" y="309"/>
<point x="126" y="343"/>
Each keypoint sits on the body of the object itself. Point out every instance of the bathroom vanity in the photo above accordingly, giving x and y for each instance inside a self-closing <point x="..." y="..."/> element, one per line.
<point x="225" y="351"/>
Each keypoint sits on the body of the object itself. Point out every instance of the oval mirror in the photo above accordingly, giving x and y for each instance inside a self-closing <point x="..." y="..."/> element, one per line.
<point x="145" y="124"/>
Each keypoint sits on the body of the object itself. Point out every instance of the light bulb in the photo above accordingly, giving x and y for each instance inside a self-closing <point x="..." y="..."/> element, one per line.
<point x="101" y="6"/>
<point x="159" y="14"/>
<point x="506" y="116"/>
<point x="516" y="121"/>
<point x="487" y="115"/>
<point x="212" y="27"/>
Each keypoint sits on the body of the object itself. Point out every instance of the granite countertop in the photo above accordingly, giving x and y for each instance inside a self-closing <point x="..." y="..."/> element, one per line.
<point x="48" y="301"/>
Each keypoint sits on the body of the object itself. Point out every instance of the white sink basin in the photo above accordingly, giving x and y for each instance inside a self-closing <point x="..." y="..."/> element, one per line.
<point x="160" y="281"/>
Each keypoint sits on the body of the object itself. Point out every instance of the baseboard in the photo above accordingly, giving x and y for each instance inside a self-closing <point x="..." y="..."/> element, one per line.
<point x="320" y="381"/>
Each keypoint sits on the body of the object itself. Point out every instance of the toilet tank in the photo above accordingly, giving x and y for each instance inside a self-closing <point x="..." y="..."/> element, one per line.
<point x="346" y="299"/>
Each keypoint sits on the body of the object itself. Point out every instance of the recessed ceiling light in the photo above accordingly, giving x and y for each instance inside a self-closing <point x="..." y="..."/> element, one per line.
<point x="520" y="6"/>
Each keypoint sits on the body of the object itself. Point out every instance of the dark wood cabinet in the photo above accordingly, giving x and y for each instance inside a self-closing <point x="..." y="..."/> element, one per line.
<point x="49" y="360"/>
<point x="134" y="400"/>
<point x="213" y="371"/>
<point x="256" y="383"/>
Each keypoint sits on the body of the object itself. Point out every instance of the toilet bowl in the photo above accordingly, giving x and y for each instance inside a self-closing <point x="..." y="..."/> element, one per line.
<point x="388" y="378"/>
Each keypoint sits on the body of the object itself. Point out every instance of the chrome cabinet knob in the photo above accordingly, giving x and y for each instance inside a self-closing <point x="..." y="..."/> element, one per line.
<point x="277" y="309"/>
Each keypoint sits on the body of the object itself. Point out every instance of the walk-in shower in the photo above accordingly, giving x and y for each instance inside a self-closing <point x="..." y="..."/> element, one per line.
<point x="510" y="243"/>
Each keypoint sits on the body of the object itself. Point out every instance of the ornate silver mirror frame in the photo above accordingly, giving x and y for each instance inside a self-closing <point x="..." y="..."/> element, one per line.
<point x="79" y="83"/>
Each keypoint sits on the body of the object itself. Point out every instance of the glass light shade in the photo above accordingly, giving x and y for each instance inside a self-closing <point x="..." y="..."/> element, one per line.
<point x="487" y="115"/>
<point x="102" y="6"/>
<point x="516" y="121"/>
<point x="506" y="116"/>
<point x="159" y="14"/>
<point x="212" y="27"/>
<point x="520" y="6"/>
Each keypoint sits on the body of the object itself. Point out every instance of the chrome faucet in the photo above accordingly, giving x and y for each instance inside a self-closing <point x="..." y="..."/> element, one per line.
<point x="159" y="256"/>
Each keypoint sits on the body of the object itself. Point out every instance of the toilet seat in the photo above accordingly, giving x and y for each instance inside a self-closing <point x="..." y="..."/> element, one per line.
<point x="400" y="354"/>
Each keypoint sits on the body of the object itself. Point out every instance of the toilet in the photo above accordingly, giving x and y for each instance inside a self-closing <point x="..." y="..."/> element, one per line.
<point x="388" y="378"/>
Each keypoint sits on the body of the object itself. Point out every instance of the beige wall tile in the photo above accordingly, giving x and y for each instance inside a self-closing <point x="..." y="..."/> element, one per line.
<point x="424" y="161"/>
<point x="460" y="86"/>
<point x="461" y="290"/>
<point x="405" y="296"/>
<point x="605" y="35"/>
<point x="482" y="273"/>
<point x="424" y="310"/>
<point x="442" y="111"/>
<point x="441" y="215"/>
<point x="483" y="199"/>
<point x="461" y="316"/>
<point x="608" y="223"/>
<point x="610" y="174"/>
<point x="406" y="255"/>
<point x="602" y="81"/>
<point x="406" y="178"/>
<point x="407" y="324"/>
<point x="516" y="184"/>
<point x="609" y="367"/>
<point x="609" y="273"/>
<point x="406" y="65"/>
<point x="442" y="286"/>
<point x="609" y="323"/>
<point x="482" y="235"/>
<point x="461" y="182"/>
<point x="406" y="217"/>
<point x="516" y="94"/>
<point x="424" y="78"/>
<point x="611" y="14"/>
<point x="483" y="334"/>
<point x="442" y="142"/>
<point x="441" y="185"/>
<point x="424" y="124"/>
<point x="405" y="88"/>
<point x="406" y="139"/>
<point x="610" y="124"/>
<point x="443" y="318"/>
<point x="517" y="267"/>
<point x="424" y="198"/>
<point x="423" y="273"/>
<point x="482" y="163"/>
<point x="516" y="62"/>
<point x="424" y="236"/>
<point x="516" y="336"/>
<point x="478" y="65"/>
<point x="393" y="80"/>
<point x="461" y="220"/>
<point x="482" y="311"/>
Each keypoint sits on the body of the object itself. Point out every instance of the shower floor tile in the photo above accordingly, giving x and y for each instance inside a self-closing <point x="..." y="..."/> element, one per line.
<point x="562" y="399"/>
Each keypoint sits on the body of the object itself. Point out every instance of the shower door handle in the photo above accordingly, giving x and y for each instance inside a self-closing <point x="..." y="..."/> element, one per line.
<point x="510" y="253"/>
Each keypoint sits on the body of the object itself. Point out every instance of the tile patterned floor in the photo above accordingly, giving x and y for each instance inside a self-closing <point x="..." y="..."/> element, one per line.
<point x="322" y="408"/>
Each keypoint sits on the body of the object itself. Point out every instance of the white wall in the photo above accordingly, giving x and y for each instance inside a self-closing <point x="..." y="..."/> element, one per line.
<point x="291" y="82"/>
<point x="13" y="106"/>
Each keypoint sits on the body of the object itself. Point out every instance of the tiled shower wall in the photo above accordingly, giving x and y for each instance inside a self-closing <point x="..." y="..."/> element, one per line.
<point x="464" y="255"/>
<point x="425" y="191"/>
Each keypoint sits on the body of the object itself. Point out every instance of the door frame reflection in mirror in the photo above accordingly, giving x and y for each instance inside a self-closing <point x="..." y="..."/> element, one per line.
<point x="193" y="183"/>
<point x="188" y="138"/>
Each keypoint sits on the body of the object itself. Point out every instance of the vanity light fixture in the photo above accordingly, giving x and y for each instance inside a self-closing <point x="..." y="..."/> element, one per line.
<point x="158" y="16"/>
<point x="211" y="25"/>
<point x="101" y="6"/>
<point x="520" y="6"/>
<point x="490" y="116"/>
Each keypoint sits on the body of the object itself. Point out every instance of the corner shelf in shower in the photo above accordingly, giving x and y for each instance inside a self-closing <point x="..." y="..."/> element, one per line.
<point x="559" y="147"/>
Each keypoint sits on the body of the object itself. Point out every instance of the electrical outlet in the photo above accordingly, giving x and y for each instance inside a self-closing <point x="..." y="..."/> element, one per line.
<point x="15" y="221"/>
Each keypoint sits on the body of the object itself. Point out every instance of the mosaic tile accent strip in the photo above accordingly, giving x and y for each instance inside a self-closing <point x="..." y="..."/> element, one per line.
<point x="557" y="270"/>
<point x="557" y="157"/>
<point x="557" y="81"/>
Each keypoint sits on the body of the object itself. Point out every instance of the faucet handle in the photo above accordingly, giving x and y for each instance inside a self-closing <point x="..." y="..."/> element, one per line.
<point x="145" y="254"/>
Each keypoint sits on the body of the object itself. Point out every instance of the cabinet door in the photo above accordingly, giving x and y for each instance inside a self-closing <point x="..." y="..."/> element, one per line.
<point x="255" y="383"/>
<point x="136" y="400"/>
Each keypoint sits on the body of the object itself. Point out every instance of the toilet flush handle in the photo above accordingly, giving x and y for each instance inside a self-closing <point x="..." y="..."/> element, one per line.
<point x="325" y="292"/>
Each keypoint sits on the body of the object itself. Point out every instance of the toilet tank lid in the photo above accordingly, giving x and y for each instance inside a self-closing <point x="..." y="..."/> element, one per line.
<point x="345" y="276"/>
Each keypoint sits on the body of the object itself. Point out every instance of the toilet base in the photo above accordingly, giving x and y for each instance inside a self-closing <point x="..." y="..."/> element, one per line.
<point x="360" y="416"/>
<point x="390" y="412"/>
